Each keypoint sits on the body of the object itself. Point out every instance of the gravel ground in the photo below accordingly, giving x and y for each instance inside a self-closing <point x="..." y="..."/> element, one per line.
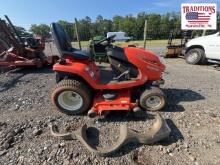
<point x="192" y="112"/>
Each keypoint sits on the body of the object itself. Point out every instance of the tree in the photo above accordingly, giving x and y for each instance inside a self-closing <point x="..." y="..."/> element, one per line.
<point x="85" y="28"/>
<point x="106" y="26"/>
<point x="99" y="18"/>
<point x="42" y="30"/>
<point x="153" y="23"/>
<point x="117" y="23"/>
<point x="159" y="26"/>
<point x="140" y="22"/>
<point x="129" y="25"/>
<point x="22" y="32"/>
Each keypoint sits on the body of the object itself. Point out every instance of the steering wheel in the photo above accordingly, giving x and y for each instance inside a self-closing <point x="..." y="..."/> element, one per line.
<point x="108" y="39"/>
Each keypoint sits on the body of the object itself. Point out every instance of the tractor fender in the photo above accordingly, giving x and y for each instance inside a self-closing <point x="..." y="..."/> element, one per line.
<point x="77" y="70"/>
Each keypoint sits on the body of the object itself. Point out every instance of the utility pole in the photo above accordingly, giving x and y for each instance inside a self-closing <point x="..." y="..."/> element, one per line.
<point x="203" y="32"/>
<point x="145" y="34"/>
<point x="77" y="34"/>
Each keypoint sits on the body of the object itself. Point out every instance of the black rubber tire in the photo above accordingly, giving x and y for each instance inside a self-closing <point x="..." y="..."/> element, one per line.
<point x="76" y="86"/>
<point x="153" y="91"/>
<point x="200" y="56"/>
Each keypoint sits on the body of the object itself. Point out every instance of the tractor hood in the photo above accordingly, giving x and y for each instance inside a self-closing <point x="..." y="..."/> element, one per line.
<point x="148" y="62"/>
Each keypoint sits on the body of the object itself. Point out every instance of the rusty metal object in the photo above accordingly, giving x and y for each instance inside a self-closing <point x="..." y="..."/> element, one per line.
<point x="10" y="37"/>
<point x="158" y="131"/>
<point x="22" y="54"/>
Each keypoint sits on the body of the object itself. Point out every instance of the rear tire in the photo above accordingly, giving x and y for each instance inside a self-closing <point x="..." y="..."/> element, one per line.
<point x="152" y="99"/>
<point x="195" y="56"/>
<point x="71" y="97"/>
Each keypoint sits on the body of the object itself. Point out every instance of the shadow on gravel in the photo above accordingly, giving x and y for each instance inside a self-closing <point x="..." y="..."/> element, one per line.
<point x="175" y="96"/>
<point x="93" y="134"/>
<point x="11" y="83"/>
<point x="175" y="135"/>
<point x="14" y="79"/>
<point x="33" y="70"/>
<point x="124" y="116"/>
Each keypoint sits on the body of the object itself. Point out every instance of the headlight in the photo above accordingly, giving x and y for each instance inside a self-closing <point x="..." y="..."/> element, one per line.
<point x="90" y="72"/>
<point x="162" y="60"/>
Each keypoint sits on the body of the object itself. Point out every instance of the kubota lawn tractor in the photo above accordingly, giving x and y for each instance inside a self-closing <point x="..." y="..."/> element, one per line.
<point x="130" y="82"/>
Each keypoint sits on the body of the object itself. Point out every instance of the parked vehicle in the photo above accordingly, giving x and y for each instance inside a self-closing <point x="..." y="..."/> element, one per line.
<point x="119" y="36"/>
<point x="203" y="49"/>
<point x="98" y="51"/>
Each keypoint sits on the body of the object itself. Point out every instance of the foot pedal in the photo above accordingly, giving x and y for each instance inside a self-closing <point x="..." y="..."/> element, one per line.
<point x="109" y="95"/>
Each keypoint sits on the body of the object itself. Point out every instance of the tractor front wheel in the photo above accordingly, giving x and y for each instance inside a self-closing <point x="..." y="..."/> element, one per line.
<point x="71" y="97"/>
<point x="152" y="99"/>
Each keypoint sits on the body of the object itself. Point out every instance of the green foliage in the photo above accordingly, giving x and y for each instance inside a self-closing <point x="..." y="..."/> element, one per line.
<point x="22" y="32"/>
<point x="42" y="30"/>
<point x="158" y="26"/>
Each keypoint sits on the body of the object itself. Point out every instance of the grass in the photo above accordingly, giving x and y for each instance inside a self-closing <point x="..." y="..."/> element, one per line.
<point x="149" y="43"/>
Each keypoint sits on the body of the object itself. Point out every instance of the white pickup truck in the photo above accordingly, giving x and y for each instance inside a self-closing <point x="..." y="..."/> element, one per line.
<point x="203" y="49"/>
<point x="119" y="36"/>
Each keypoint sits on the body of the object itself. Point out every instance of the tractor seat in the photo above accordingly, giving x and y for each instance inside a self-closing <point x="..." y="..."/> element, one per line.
<point x="64" y="45"/>
<point x="76" y="53"/>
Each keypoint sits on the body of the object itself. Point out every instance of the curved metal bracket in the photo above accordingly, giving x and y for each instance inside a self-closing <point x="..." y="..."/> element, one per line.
<point x="158" y="131"/>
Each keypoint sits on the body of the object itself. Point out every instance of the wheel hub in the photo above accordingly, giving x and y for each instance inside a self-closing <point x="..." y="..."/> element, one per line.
<point x="70" y="100"/>
<point x="193" y="56"/>
<point x="153" y="102"/>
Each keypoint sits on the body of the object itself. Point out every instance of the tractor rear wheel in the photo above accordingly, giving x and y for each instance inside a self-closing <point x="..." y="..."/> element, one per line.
<point x="71" y="97"/>
<point x="152" y="99"/>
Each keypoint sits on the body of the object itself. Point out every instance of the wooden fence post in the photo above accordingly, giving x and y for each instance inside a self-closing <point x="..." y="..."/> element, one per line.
<point x="77" y="34"/>
<point x="145" y="34"/>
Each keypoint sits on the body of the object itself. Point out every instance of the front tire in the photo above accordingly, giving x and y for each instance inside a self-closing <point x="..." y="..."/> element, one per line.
<point x="71" y="97"/>
<point x="195" y="56"/>
<point x="152" y="99"/>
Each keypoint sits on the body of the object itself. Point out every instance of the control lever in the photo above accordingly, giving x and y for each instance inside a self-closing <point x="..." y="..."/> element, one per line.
<point x="121" y="75"/>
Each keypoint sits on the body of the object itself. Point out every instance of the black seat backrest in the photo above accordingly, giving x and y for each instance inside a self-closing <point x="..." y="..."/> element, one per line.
<point x="60" y="37"/>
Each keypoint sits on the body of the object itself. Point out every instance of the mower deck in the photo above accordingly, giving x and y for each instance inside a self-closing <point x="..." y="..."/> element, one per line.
<point x="122" y="101"/>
